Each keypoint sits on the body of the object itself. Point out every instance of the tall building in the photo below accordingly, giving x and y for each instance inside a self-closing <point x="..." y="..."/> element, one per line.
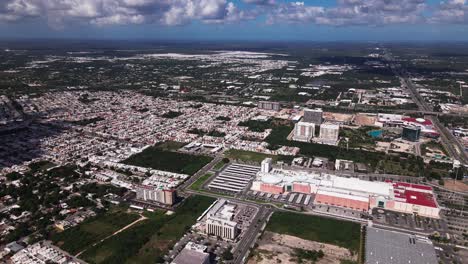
<point x="304" y="131"/>
<point x="220" y="220"/>
<point x="329" y="132"/>
<point x="266" y="105"/>
<point x="411" y="133"/>
<point x="266" y="165"/>
<point x="313" y="116"/>
<point x="155" y="194"/>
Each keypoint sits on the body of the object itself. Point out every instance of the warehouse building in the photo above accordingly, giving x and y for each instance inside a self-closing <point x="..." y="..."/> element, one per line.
<point x="352" y="193"/>
<point x="234" y="178"/>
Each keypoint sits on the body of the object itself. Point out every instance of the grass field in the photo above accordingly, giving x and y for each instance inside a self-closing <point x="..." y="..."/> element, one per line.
<point x="149" y="240"/>
<point x="170" y="145"/>
<point x="250" y="156"/>
<point x="77" y="238"/>
<point x="160" y="159"/>
<point x="219" y="165"/>
<point x="320" y="229"/>
<point x="197" y="185"/>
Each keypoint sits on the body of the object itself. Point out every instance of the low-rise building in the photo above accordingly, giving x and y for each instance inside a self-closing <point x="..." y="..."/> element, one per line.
<point x="192" y="254"/>
<point x="352" y="193"/>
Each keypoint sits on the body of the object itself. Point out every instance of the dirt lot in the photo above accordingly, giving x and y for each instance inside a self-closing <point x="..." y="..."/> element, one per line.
<point x="273" y="247"/>
<point x="457" y="186"/>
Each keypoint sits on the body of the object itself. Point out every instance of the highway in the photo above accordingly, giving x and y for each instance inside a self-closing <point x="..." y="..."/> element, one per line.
<point x="451" y="144"/>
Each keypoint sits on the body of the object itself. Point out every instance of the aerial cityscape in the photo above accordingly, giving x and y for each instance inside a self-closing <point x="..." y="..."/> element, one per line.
<point x="244" y="131"/>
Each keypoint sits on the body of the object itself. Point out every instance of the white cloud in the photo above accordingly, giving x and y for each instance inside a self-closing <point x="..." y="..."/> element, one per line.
<point x="452" y="11"/>
<point x="260" y="2"/>
<point x="60" y="13"/>
<point x="352" y="12"/>
<point x="108" y="12"/>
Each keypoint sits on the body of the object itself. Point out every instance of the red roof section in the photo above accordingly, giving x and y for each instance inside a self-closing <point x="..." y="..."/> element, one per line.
<point x="416" y="197"/>
<point x="426" y="122"/>
<point x="412" y="185"/>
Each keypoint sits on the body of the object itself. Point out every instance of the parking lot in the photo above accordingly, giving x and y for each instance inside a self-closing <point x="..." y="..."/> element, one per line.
<point x="407" y="221"/>
<point x="345" y="212"/>
<point x="294" y="199"/>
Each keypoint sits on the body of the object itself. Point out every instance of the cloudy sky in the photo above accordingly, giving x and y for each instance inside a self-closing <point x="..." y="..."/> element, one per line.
<point x="321" y="20"/>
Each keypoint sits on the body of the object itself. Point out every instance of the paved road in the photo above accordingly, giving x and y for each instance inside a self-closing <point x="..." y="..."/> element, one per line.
<point x="250" y="236"/>
<point x="451" y="144"/>
<point x="200" y="173"/>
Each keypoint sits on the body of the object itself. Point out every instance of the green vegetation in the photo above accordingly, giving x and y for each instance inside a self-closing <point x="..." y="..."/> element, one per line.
<point x="216" y="133"/>
<point x="89" y="121"/>
<point x="223" y="118"/>
<point x="77" y="238"/>
<point x="171" y="114"/>
<point x="197" y="131"/>
<point x="156" y="158"/>
<point x="170" y="145"/>
<point x="150" y="239"/>
<point x="411" y="165"/>
<point x="250" y="156"/>
<point x="391" y="164"/>
<point x="358" y="138"/>
<point x="307" y="255"/>
<point x="221" y="164"/>
<point x="314" y="228"/>
<point x="278" y="137"/>
<point x="99" y="190"/>
<point x="256" y="125"/>
<point x="426" y="147"/>
<point x="346" y="261"/>
<point x="197" y="185"/>
<point x="227" y="254"/>
<point x="201" y="132"/>
<point x="40" y="165"/>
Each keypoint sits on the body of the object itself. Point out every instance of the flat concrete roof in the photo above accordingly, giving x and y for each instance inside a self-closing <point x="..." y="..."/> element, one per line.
<point x="390" y="247"/>
<point x="187" y="256"/>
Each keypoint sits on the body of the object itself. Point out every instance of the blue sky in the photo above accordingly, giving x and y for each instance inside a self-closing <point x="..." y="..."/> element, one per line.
<point x="314" y="20"/>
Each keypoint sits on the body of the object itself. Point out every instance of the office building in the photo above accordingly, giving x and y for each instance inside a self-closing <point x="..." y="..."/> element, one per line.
<point x="265" y="105"/>
<point x="155" y="194"/>
<point x="411" y="133"/>
<point x="220" y="220"/>
<point x="266" y="165"/>
<point x="304" y="131"/>
<point x="313" y="116"/>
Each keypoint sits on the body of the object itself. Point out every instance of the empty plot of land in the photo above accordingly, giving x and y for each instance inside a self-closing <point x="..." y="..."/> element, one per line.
<point x="234" y="178"/>
<point x="457" y="186"/>
<point x="273" y="247"/>
<point x="317" y="228"/>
